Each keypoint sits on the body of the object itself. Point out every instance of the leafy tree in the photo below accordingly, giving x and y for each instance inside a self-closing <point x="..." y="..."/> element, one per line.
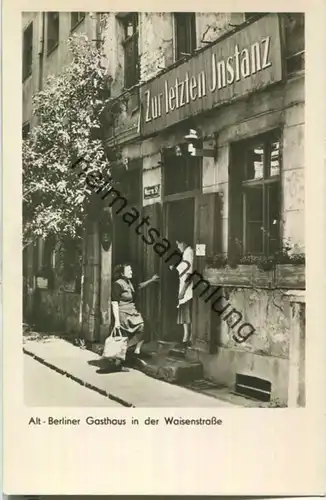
<point x="69" y="113"/>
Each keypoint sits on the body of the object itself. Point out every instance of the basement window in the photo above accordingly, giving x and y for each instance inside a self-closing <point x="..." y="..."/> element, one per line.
<point x="253" y="387"/>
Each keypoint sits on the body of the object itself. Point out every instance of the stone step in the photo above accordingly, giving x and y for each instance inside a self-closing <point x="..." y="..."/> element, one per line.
<point x="178" y="353"/>
<point x="175" y="371"/>
<point x="164" y="347"/>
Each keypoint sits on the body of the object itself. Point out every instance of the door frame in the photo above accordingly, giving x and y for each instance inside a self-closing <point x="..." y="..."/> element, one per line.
<point x="167" y="202"/>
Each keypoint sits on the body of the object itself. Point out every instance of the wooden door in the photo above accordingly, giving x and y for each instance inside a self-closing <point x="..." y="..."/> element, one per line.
<point x="208" y="233"/>
<point x="170" y="330"/>
<point x="91" y="287"/>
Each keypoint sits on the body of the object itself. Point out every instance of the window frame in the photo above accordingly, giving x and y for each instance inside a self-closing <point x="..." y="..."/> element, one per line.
<point x="130" y="80"/>
<point x="294" y="43"/>
<point x="51" y="48"/>
<point x="240" y="187"/>
<point x="190" y="27"/>
<point x="27" y="69"/>
<point x="80" y="19"/>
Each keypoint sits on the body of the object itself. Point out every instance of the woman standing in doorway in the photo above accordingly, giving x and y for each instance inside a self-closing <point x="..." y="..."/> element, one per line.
<point x="126" y="316"/>
<point x="185" y="268"/>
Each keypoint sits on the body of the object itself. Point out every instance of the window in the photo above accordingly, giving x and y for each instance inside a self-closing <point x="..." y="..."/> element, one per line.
<point x="294" y="42"/>
<point x="76" y="18"/>
<point x="185" y="34"/>
<point x="27" y="51"/>
<point x="255" y="196"/>
<point x="52" y="31"/>
<point x="130" y="44"/>
<point x="26" y="130"/>
<point x="181" y="171"/>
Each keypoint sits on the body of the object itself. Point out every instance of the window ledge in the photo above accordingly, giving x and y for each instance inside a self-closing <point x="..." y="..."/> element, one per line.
<point x="284" y="276"/>
<point x="49" y="52"/>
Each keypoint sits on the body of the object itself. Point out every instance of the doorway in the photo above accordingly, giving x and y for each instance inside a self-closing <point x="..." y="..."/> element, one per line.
<point x="179" y="223"/>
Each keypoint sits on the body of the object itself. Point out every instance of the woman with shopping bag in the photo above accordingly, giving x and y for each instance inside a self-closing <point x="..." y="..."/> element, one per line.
<point x="128" y="328"/>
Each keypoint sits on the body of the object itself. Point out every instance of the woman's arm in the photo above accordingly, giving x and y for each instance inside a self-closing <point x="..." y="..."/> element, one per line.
<point x="144" y="284"/>
<point x="115" y="310"/>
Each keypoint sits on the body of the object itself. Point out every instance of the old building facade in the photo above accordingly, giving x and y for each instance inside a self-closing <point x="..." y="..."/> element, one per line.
<point x="212" y="144"/>
<point x="45" y="52"/>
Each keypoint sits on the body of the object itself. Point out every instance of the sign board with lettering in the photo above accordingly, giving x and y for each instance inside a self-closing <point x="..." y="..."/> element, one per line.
<point x="200" y="250"/>
<point x="248" y="60"/>
<point x="151" y="191"/>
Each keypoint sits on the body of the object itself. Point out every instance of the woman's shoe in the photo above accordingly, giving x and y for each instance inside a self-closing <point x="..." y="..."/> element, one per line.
<point x="186" y="344"/>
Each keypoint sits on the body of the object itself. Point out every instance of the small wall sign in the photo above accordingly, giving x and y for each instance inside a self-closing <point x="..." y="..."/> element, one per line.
<point x="200" y="250"/>
<point x="41" y="282"/>
<point x="152" y="191"/>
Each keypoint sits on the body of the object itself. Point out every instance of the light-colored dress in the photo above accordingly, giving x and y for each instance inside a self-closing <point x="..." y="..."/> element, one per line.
<point x="185" y="268"/>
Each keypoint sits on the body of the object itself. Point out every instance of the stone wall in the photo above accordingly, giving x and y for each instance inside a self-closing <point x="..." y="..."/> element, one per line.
<point x="57" y="311"/>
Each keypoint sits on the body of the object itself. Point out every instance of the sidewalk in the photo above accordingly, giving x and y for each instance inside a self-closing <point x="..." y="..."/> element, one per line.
<point x="130" y="388"/>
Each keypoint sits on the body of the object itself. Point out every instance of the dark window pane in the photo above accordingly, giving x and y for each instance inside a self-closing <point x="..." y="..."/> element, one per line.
<point x="294" y="33"/>
<point x="27" y="51"/>
<point x="295" y="63"/>
<point x="273" y="216"/>
<point x="181" y="173"/>
<point x="131" y="55"/>
<point x="76" y="17"/>
<point x="254" y="162"/>
<point x="254" y="220"/>
<point x="185" y="26"/>
<point x="53" y="30"/>
<point x="131" y="62"/>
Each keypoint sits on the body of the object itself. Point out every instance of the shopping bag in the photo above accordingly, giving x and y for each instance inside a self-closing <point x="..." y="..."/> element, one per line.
<point x="115" y="346"/>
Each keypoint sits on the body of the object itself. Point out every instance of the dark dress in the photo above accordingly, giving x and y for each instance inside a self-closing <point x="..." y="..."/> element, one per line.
<point x="131" y="321"/>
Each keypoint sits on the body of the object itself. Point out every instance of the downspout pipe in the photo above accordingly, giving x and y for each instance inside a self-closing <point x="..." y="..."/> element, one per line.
<point x="41" y="51"/>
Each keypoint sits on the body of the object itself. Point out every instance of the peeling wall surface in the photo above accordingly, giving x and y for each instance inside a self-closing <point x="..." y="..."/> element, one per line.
<point x="265" y="354"/>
